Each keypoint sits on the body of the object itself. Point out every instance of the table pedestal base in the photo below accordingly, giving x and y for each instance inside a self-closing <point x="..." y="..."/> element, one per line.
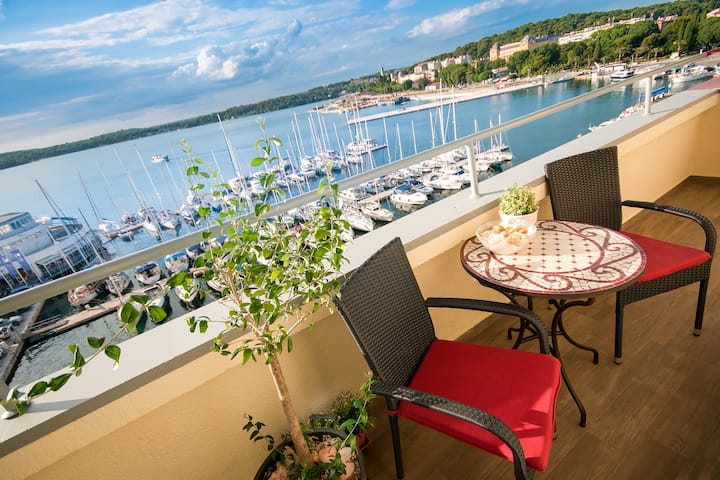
<point x="557" y="329"/>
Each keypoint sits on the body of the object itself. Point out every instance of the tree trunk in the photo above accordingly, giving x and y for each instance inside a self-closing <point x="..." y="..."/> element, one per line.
<point x="296" y="434"/>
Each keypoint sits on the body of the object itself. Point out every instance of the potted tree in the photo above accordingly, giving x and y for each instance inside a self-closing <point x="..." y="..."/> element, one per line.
<point x="518" y="202"/>
<point x="272" y="276"/>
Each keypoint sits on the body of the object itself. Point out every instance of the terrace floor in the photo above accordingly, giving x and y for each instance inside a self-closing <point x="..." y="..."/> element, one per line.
<point x="656" y="416"/>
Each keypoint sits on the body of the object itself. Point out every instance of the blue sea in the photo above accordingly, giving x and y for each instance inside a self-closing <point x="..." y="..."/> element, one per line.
<point x="99" y="182"/>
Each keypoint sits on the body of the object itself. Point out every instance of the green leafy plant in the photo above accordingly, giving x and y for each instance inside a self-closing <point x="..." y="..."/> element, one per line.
<point x="518" y="200"/>
<point x="274" y="278"/>
<point x="350" y="409"/>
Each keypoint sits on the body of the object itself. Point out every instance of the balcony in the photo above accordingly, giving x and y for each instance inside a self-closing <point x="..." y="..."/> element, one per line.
<point x="178" y="412"/>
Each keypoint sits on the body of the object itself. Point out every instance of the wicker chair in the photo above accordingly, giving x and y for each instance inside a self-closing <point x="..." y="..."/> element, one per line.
<point x="497" y="399"/>
<point x="586" y="188"/>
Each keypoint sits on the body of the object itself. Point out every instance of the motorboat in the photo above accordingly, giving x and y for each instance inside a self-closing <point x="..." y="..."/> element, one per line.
<point x="358" y="220"/>
<point x="195" y="250"/>
<point x="444" y="181"/>
<point x="375" y="211"/>
<point x="176" y="262"/>
<point x="354" y="193"/>
<point x="84" y="294"/>
<point x="405" y="195"/>
<point x="690" y="74"/>
<point x="191" y="297"/>
<point x="418" y="186"/>
<point x="148" y="274"/>
<point x="373" y="186"/>
<point x="159" y="158"/>
<point x="623" y="74"/>
<point x="118" y="283"/>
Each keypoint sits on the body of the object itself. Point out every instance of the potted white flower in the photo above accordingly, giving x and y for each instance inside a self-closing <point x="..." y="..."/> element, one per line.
<point x="518" y="202"/>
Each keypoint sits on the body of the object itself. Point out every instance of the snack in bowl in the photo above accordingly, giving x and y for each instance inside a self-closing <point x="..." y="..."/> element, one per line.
<point x="505" y="238"/>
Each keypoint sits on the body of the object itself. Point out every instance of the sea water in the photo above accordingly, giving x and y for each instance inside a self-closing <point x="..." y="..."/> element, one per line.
<point x="110" y="177"/>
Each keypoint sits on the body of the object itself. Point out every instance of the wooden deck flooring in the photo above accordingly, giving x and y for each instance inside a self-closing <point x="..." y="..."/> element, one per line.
<point x="656" y="416"/>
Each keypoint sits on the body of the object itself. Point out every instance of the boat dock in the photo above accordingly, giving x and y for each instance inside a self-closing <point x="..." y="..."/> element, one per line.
<point x="48" y="328"/>
<point x="13" y="347"/>
<point x="463" y="96"/>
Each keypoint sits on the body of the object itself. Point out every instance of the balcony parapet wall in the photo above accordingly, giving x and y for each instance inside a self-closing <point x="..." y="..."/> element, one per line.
<point x="177" y="412"/>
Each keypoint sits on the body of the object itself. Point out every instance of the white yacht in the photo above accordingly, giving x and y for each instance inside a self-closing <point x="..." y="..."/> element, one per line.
<point x="84" y="294"/>
<point x="354" y="194"/>
<point x="33" y="251"/>
<point x="118" y="283"/>
<point x="444" y="181"/>
<point x="358" y="220"/>
<point x="176" y="262"/>
<point x="405" y="195"/>
<point x="148" y="274"/>
<point x="692" y="73"/>
<point x="374" y="210"/>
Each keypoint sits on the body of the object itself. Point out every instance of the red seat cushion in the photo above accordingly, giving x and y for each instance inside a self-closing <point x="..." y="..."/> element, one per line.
<point x="518" y="387"/>
<point x="664" y="258"/>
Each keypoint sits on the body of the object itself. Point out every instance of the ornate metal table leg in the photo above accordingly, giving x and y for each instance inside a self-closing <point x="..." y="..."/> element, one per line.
<point x="562" y="305"/>
<point x="557" y="318"/>
<point x="523" y="324"/>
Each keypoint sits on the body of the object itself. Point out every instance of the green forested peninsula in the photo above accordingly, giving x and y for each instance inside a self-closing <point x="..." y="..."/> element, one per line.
<point x="689" y="32"/>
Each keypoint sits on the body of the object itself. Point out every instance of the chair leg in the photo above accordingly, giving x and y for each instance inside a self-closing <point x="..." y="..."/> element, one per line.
<point x="618" y="330"/>
<point x="699" y="312"/>
<point x="395" y="431"/>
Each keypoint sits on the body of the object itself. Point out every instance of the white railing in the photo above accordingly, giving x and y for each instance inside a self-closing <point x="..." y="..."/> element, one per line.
<point x="61" y="285"/>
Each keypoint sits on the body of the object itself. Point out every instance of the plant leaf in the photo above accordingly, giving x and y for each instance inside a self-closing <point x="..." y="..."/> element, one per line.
<point x="113" y="353"/>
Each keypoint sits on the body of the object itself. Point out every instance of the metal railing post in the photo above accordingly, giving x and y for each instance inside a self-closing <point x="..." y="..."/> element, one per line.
<point x="648" y="94"/>
<point x="474" y="187"/>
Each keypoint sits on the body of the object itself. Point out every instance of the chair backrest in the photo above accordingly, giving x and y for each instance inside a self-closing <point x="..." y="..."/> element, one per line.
<point x="585" y="188"/>
<point x="385" y="311"/>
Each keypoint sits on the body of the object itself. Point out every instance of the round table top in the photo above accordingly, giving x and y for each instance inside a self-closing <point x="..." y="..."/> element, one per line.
<point x="564" y="259"/>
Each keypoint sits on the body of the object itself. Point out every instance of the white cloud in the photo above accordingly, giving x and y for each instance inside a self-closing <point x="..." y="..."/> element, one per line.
<point x="231" y="60"/>
<point x="458" y="20"/>
<point x="399" y="4"/>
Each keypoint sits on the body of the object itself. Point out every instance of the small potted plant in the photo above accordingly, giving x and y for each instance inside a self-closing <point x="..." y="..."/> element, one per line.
<point x="518" y="202"/>
<point x="351" y="413"/>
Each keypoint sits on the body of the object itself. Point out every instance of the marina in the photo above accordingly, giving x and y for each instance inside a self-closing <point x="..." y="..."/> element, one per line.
<point x="158" y="184"/>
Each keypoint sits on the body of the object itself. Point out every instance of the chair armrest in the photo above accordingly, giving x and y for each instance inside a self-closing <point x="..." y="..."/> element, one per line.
<point x="700" y="219"/>
<point x="496" y="307"/>
<point x="461" y="411"/>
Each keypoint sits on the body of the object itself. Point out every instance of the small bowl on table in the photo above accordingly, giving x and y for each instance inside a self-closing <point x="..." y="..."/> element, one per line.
<point x="505" y="238"/>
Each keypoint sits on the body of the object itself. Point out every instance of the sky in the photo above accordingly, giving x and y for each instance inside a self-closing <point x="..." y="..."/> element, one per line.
<point x="73" y="69"/>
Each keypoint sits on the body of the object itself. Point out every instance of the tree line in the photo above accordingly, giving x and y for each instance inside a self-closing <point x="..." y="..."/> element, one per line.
<point x="691" y="31"/>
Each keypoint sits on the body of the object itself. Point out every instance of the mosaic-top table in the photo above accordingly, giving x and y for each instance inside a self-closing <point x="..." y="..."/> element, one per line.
<point x="564" y="261"/>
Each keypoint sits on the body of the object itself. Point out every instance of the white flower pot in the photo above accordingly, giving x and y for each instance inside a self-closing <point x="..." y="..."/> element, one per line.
<point x="529" y="218"/>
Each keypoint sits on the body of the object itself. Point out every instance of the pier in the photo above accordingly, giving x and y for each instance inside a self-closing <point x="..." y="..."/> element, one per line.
<point x="456" y="97"/>
<point x="10" y="354"/>
<point x="90" y="313"/>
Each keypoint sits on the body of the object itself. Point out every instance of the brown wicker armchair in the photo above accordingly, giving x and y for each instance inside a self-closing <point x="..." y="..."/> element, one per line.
<point x="497" y="399"/>
<point x="586" y="188"/>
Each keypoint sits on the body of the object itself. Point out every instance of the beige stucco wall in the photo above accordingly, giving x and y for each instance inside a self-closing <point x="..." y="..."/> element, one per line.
<point x="187" y="424"/>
